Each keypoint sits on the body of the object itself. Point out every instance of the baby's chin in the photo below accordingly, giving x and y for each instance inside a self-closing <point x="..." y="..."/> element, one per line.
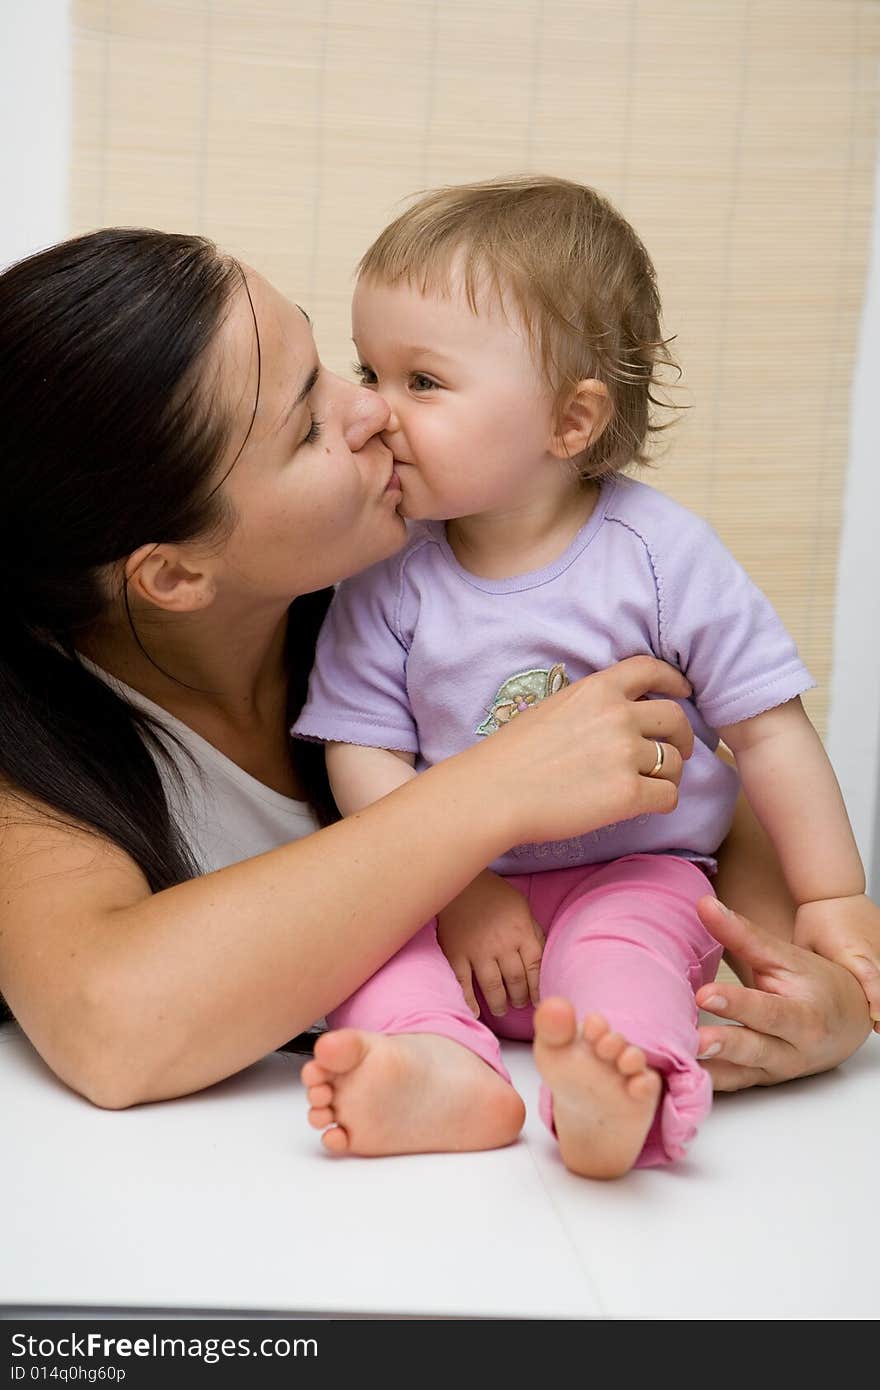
<point x="412" y="512"/>
<point x="408" y="507"/>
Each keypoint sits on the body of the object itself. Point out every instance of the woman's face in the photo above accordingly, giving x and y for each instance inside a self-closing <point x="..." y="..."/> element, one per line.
<point x="312" y="491"/>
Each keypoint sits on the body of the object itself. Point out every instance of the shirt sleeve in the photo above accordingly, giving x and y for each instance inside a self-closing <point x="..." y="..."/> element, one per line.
<point x="357" y="689"/>
<point x="718" y="627"/>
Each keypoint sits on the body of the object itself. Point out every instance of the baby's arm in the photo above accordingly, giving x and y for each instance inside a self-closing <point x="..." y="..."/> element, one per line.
<point x="359" y="776"/>
<point x="490" y="937"/>
<point x="487" y="932"/>
<point x="792" y="788"/>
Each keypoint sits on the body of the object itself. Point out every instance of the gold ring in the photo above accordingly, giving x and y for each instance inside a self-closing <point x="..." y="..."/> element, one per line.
<point x="658" y="766"/>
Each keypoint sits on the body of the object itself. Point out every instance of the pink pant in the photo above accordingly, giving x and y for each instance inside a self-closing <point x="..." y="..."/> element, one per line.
<point x="623" y="939"/>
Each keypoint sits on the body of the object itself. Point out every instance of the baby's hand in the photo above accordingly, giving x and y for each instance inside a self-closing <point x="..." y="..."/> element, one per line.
<point x="846" y="930"/>
<point x="488" y="933"/>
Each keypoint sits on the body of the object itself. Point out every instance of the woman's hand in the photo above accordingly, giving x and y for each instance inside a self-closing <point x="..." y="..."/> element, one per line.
<point x="488" y="933"/>
<point x="805" y="1015"/>
<point x="581" y="759"/>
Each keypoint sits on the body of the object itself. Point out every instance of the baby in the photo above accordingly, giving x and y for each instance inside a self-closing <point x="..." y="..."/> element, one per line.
<point x="513" y="328"/>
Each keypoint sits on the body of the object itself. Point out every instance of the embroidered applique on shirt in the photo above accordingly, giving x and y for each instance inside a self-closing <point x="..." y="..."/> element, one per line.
<point x="521" y="692"/>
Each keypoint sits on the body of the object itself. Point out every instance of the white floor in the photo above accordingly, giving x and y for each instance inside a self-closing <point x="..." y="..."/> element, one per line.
<point x="225" y="1201"/>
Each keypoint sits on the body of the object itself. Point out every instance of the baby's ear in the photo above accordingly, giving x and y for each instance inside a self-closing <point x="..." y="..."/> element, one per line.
<point x="582" y="419"/>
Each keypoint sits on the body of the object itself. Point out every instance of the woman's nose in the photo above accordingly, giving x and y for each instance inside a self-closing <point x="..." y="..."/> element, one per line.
<point x="368" y="415"/>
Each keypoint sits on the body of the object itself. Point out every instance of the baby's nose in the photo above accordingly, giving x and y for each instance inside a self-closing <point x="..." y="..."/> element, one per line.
<point x="368" y="415"/>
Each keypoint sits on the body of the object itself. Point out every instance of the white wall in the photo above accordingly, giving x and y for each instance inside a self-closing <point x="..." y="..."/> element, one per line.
<point x="34" y="124"/>
<point x="34" y="156"/>
<point x="854" y="726"/>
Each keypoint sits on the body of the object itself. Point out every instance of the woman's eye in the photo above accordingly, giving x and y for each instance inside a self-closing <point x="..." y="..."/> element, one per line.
<point x="314" y="431"/>
<point x="365" y="375"/>
<point x="420" y="382"/>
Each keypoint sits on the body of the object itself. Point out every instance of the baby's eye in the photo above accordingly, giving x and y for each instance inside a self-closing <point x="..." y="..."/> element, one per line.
<point x="420" y="382"/>
<point x="365" y="375"/>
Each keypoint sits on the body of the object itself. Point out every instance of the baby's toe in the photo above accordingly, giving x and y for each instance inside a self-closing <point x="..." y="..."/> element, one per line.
<point x="554" y="1022"/>
<point x="631" y="1060"/>
<point x="610" y="1046"/>
<point x="320" y="1096"/>
<point x="644" y="1086"/>
<point x="321" y="1118"/>
<point x="341" y="1050"/>
<point x="594" y="1027"/>
<point x="335" y="1141"/>
<point x="313" y="1074"/>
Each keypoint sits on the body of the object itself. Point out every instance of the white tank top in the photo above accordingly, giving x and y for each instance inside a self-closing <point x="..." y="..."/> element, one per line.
<point x="226" y="815"/>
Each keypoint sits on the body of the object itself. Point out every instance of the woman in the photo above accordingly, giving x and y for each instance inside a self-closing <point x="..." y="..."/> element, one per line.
<point x="176" y="467"/>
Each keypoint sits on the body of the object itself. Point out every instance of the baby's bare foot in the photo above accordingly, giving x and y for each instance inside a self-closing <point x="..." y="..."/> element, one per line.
<point x="407" y="1093"/>
<point x="604" y="1093"/>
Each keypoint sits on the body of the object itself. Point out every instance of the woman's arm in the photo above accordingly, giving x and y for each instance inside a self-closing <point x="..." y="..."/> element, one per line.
<point x="131" y="996"/>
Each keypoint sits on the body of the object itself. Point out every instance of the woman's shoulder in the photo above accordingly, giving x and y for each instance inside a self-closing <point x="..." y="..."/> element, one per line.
<point x="35" y="837"/>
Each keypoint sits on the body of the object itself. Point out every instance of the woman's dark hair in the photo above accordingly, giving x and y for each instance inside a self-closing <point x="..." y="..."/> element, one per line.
<point x="108" y="440"/>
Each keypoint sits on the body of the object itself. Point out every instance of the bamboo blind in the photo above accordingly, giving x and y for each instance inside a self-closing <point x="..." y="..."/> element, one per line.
<point x="737" y="136"/>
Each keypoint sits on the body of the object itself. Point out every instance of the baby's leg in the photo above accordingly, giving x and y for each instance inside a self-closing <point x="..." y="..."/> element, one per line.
<point x="624" y="956"/>
<point x="407" y="1068"/>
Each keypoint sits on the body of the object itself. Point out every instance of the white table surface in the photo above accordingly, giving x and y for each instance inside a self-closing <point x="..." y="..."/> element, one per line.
<point x="225" y="1201"/>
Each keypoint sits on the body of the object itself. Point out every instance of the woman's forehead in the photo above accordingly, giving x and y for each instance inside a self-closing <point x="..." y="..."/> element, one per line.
<point x="266" y="345"/>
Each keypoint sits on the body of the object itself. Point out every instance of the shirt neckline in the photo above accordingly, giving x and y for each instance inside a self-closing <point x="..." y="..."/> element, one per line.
<point x="205" y="751"/>
<point x="532" y="579"/>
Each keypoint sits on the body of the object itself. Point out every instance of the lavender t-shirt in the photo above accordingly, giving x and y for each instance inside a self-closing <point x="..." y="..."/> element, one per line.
<point x="420" y="655"/>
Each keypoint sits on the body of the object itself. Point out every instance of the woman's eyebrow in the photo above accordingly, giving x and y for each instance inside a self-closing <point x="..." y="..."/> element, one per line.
<point x="308" y="385"/>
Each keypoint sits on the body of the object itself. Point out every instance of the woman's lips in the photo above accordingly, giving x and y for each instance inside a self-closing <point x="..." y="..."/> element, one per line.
<point x="393" y="484"/>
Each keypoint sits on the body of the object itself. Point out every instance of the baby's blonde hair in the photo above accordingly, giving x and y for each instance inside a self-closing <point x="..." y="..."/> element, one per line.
<point x="574" y="269"/>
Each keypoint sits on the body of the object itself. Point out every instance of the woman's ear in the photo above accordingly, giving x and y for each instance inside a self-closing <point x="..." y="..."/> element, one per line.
<point x="582" y="420"/>
<point x="157" y="574"/>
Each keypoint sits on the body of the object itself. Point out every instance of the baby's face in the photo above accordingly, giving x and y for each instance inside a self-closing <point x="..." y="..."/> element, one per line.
<point x="471" y="416"/>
